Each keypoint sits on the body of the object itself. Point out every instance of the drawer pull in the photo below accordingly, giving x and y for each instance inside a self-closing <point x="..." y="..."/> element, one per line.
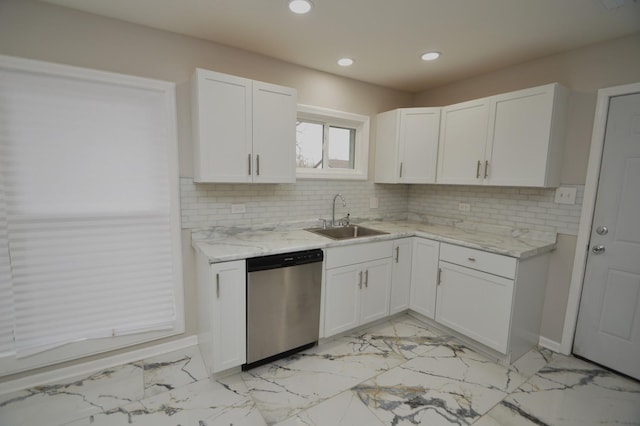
<point x="471" y="259"/>
<point x="218" y="286"/>
<point x="360" y="282"/>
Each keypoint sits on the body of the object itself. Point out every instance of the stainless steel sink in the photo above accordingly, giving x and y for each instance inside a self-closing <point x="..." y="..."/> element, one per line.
<point x="346" y="232"/>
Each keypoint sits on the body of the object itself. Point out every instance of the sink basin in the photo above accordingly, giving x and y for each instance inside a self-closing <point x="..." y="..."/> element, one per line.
<point x="346" y="232"/>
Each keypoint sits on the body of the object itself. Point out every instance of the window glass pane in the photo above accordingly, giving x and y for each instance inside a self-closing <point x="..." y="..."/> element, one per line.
<point x="341" y="147"/>
<point x="309" y="139"/>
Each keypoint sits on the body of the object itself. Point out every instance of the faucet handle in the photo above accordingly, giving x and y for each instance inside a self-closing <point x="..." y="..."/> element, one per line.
<point x="345" y="220"/>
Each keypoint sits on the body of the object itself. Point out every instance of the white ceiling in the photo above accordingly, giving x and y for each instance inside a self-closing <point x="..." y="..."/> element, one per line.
<point x="386" y="37"/>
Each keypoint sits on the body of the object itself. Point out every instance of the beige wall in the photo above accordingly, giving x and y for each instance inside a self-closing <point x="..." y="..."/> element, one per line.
<point x="50" y="33"/>
<point x="584" y="71"/>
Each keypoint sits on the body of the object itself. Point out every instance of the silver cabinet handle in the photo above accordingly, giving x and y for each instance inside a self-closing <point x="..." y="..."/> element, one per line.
<point x="218" y="286"/>
<point x="599" y="249"/>
<point x="249" y="164"/>
<point x="478" y="169"/>
<point x="438" y="280"/>
<point x="397" y="254"/>
<point x="486" y="169"/>
<point x="471" y="259"/>
<point x="366" y="278"/>
<point x="400" y="169"/>
<point x="360" y="282"/>
<point x="258" y="165"/>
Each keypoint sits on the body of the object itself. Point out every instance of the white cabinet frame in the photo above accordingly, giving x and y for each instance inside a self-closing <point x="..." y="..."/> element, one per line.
<point x="243" y="130"/>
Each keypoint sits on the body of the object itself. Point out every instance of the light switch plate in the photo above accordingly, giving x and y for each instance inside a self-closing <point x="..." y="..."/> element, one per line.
<point x="464" y="207"/>
<point x="565" y="195"/>
<point x="238" y="208"/>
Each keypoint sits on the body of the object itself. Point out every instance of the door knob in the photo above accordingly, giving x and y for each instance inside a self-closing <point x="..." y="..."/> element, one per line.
<point x="597" y="249"/>
<point x="602" y="230"/>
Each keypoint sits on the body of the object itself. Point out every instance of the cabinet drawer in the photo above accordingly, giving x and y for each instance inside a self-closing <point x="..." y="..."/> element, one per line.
<point x="492" y="263"/>
<point x="357" y="253"/>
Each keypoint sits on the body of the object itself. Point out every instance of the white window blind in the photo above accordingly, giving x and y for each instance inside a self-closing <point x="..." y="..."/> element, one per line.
<point x="6" y="291"/>
<point x="85" y="166"/>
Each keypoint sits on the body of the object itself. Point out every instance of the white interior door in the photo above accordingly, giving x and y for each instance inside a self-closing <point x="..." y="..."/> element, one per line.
<point x="608" y="329"/>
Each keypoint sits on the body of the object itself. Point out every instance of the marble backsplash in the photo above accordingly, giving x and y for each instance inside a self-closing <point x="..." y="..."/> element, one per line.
<point x="529" y="209"/>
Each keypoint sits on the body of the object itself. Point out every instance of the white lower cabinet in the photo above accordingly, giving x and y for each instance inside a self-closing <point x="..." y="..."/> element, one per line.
<point x="222" y="313"/>
<point x="475" y="304"/>
<point x="357" y="285"/>
<point x="401" y="275"/>
<point x="424" y="276"/>
<point x="494" y="299"/>
<point x="376" y="285"/>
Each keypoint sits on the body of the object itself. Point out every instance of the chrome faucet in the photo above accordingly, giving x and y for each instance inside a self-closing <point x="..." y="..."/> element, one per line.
<point x="333" y="214"/>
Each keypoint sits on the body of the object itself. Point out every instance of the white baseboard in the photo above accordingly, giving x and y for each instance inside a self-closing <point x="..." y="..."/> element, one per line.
<point x="90" y="367"/>
<point x="549" y="344"/>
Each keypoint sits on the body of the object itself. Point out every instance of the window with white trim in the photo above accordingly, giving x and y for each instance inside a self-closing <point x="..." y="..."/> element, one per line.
<point x="331" y="144"/>
<point x="89" y="213"/>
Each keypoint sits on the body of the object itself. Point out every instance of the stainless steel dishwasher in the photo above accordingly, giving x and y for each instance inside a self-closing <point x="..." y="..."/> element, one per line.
<point x="283" y="305"/>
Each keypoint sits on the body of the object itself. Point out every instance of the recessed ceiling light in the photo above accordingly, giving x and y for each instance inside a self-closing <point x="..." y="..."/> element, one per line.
<point x="300" y="6"/>
<point x="430" y="56"/>
<point x="345" y="62"/>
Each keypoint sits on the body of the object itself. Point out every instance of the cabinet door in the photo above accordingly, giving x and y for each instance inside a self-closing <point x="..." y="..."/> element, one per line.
<point x="387" y="149"/>
<point x="376" y="289"/>
<point x="229" y="315"/>
<point x="222" y="124"/>
<point x="475" y="304"/>
<point x="521" y="137"/>
<point x="463" y="136"/>
<point x="424" y="277"/>
<point x="274" y="133"/>
<point x="419" y="131"/>
<point x="401" y="276"/>
<point x="342" y="299"/>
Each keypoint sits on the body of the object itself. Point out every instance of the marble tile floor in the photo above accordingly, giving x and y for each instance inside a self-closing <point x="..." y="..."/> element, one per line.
<point x="399" y="372"/>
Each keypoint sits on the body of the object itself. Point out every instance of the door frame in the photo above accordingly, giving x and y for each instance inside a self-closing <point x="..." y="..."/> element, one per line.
<point x="588" y="208"/>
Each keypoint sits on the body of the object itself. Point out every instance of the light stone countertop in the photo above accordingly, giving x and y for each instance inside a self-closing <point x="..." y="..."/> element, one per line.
<point x="221" y="244"/>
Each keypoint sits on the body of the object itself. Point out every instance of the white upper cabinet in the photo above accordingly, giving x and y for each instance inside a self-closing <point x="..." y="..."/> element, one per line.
<point x="407" y="145"/>
<point x="243" y="130"/>
<point x="513" y="139"/>
<point x="274" y="133"/>
<point x="463" y="139"/>
<point x="526" y="140"/>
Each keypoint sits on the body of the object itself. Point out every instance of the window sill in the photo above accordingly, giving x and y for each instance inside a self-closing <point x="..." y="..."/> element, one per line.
<point x="302" y="174"/>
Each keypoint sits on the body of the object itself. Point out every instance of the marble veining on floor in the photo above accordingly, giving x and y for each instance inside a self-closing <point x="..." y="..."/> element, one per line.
<point x="399" y="372"/>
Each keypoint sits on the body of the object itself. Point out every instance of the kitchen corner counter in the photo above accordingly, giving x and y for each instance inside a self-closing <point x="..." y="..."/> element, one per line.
<point x="222" y="244"/>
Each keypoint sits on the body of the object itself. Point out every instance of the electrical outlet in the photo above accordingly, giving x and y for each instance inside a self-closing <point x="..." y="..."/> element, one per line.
<point x="464" y="207"/>
<point x="373" y="202"/>
<point x="565" y="195"/>
<point x="238" y="208"/>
